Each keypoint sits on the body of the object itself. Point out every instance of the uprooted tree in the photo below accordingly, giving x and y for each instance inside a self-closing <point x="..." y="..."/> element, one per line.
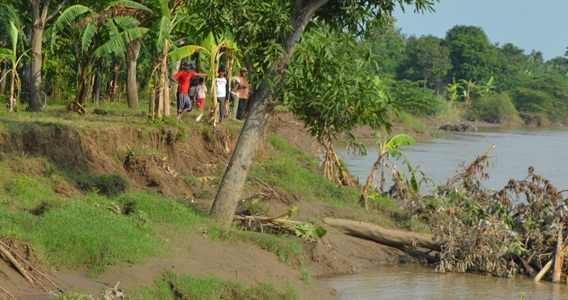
<point x="515" y="230"/>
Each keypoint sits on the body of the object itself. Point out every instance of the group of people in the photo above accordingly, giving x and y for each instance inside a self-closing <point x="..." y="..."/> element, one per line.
<point x="192" y="89"/>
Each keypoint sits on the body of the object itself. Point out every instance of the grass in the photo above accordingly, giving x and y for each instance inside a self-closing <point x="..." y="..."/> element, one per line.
<point x="116" y="227"/>
<point x="298" y="172"/>
<point x="179" y="286"/>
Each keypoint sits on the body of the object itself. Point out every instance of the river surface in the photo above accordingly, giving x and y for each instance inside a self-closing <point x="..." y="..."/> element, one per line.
<point x="439" y="158"/>
<point x="414" y="282"/>
<point x="515" y="150"/>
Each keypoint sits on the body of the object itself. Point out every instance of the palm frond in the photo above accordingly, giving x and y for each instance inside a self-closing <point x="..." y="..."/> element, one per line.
<point x="163" y="31"/>
<point x="112" y="28"/>
<point x="132" y="4"/>
<point x="183" y="52"/>
<point x="126" y="22"/>
<point x="6" y="53"/>
<point x="117" y="43"/>
<point x="69" y="16"/>
<point x="88" y="35"/>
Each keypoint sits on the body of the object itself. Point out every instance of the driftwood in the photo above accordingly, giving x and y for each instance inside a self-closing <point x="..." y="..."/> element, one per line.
<point x="387" y="236"/>
<point x="15" y="263"/>
<point x="558" y="258"/>
<point x="548" y="266"/>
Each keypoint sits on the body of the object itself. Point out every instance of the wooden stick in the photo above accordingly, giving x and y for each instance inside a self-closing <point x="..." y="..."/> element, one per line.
<point x="7" y="293"/>
<point x="31" y="266"/>
<point x="547" y="267"/>
<point x="543" y="271"/>
<point x="15" y="263"/>
<point x="558" y="258"/>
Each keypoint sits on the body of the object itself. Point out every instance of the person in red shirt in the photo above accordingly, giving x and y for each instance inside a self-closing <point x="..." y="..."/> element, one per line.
<point x="183" y="78"/>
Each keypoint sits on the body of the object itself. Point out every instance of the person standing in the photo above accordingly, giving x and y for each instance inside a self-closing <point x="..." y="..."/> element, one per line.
<point x="200" y="92"/>
<point x="192" y="85"/>
<point x="242" y="92"/>
<point x="183" y="78"/>
<point x="222" y="91"/>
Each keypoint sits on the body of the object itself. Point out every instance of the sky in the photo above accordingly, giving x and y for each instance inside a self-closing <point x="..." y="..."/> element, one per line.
<point x="528" y="24"/>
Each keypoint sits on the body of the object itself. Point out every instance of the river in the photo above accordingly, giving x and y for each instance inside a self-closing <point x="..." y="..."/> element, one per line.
<point x="515" y="150"/>
<point x="439" y="158"/>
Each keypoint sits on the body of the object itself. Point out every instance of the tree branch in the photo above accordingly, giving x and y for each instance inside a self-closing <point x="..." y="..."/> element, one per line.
<point x="54" y="11"/>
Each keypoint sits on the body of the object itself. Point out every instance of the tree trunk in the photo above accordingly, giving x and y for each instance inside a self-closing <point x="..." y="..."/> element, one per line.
<point x="131" y="82"/>
<point x="83" y="82"/>
<point x="162" y="105"/>
<point x="97" y="85"/>
<point x="114" y="83"/>
<point x="387" y="236"/>
<point x="38" y="21"/>
<point x="363" y="200"/>
<point x="332" y="160"/>
<point x="12" y="102"/>
<point x="4" y="77"/>
<point x="264" y="101"/>
<point x="39" y="17"/>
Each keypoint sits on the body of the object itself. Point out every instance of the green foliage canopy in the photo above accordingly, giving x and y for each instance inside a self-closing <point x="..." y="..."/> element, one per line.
<point x="330" y="95"/>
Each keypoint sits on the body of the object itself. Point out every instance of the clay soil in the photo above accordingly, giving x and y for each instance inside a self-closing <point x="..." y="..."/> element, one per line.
<point x="202" y="154"/>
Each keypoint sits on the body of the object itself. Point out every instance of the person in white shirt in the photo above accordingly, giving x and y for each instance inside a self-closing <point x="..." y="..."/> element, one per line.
<point x="222" y="87"/>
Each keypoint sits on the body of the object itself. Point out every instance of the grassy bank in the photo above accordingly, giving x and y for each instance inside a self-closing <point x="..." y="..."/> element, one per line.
<point x="85" y="221"/>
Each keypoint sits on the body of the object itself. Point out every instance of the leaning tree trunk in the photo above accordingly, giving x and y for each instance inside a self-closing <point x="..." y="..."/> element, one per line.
<point x="363" y="200"/>
<point x="131" y="82"/>
<point x="264" y="101"/>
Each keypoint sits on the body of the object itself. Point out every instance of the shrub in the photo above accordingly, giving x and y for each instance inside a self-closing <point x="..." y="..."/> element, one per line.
<point x="496" y="108"/>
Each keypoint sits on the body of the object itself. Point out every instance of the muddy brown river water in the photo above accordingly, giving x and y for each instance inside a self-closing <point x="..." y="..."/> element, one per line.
<point x="516" y="149"/>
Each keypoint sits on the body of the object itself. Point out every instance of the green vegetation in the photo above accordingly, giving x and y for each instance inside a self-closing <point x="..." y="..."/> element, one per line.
<point x="295" y="171"/>
<point x="176" y="286"/>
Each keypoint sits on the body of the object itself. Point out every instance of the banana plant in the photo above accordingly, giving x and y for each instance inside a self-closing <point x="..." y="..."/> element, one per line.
<point x="11" y="56"/>
<point x="11" y="26"/>
<point x="388" y="147"/>
<point x="100" y="35"/>
<point x="214" y="47"/>
<point x="452" y="91"/>
<point x="467" y="87"/>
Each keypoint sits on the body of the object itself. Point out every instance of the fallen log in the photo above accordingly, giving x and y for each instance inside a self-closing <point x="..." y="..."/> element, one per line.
<point x="387" y="236"/>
